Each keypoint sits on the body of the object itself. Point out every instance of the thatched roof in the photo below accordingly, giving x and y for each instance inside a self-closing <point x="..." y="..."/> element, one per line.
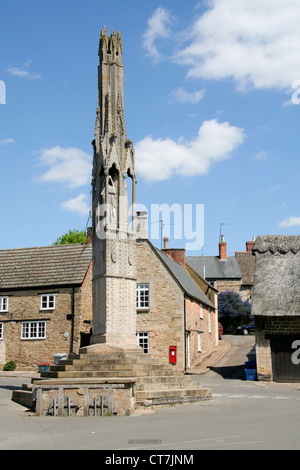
<point x="246" y="262"/>
<point x="276" y="290"/>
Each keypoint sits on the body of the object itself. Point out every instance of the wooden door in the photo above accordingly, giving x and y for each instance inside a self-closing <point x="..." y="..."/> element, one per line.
<point x="286" y="358"/>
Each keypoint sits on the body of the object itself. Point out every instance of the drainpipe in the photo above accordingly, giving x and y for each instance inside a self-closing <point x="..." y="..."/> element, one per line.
<point x="72" y="320"/>
<point x="184" y="320"/>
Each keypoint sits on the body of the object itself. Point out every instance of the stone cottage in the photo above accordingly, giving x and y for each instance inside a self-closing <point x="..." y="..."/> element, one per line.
<point x="46" y="305"/>
<point x="175" y="307"/>
<point x="227" y="273"/>
<point x="45" y="302"/>
<point x="276" y="307"/>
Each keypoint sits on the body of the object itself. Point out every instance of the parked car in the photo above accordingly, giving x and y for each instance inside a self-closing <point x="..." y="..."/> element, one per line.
<point x="220" y="327"/>
<point x="246" y="329"/>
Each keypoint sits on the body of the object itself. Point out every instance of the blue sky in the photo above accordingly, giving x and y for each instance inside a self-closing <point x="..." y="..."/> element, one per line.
<point x="211" y="91"/>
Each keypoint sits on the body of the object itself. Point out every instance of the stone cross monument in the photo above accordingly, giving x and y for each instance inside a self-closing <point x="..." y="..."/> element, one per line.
<point x="114" y="193"/>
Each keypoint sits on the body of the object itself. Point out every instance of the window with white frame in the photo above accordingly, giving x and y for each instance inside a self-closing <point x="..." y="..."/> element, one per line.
<point x="47" y="301"/>
<point x="4" y="304"/>
<point x="199" y="342"/>
<point x="142" y="296"/>
<point x="33" y="330"/>
<point x="1" y="330"/>
<point x="143" y="339"/>
<point x="201" y="311"/>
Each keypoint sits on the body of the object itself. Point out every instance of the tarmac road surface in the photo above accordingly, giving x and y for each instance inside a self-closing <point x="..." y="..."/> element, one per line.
<point x="242" y="415"/>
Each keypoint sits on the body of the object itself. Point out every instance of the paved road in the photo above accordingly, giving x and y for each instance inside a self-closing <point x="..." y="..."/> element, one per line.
<point x="241" y="415"/>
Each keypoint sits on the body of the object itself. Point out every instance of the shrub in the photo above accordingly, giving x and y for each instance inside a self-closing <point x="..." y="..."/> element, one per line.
<point x="9" y="366"/>
<point x="233" y="311"/>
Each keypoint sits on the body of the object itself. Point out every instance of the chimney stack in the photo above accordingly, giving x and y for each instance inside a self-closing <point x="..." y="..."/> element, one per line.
<point x="89" y="236"/>
<point x="249" y="245"/>
<point x="222" y="248"/>
<point x="142" y="225"/>
<point x="176" y="254"/>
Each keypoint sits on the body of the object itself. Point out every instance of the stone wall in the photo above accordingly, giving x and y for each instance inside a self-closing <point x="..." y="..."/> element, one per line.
<point x="164" y="320"/>
<point x="265" y="326"/>
<point x="60" y="330"/>
<point x="170" y="313"/>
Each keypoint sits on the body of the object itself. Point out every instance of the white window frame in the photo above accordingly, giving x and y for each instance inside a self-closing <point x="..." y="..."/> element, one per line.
<point x="4" y="303"/>
<point x="143" y="340"/>
<point x="199" y="342"/>
<point x="47" y="301"/>
<point x="201" y="311"/>
<point x="209" y="320"/>
<point x="1" y="330"/>
<point x="143" y="296"/>
<point x="33" y="329"/>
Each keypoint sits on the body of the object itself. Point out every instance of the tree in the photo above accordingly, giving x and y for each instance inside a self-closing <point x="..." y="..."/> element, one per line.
<point x="233" y="311"/>
<point x="73" y="236"/>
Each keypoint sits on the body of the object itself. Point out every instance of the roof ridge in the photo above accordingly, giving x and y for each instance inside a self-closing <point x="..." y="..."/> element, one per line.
<point x="277" y="244"/>
<point x="27" y="248"/>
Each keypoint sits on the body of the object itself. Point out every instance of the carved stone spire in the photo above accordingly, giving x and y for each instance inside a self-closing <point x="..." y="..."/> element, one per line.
<point x="114" y="245"/>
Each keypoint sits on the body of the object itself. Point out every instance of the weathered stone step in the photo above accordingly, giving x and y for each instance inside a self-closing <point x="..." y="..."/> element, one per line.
<point x="116" y="356"/>
<point x="110" y="367"/>
<point x="102" y="360"/>
<point x="149" y="394"/>
<point x="106" y="373"/>
<point x="24" y="398"/>
<point x="174" y="393"/>
<point x="171" y="400"/>
<point x="167" y="385"/>
<point x="165" y="378"/>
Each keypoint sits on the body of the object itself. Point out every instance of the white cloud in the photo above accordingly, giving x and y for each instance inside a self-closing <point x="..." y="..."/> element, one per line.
<point x="183" y="96"/>
<point x="68" y="165"/>
<point x="274" y="188"/>
<point x="6" y="141"/>
<point x="262" y="155"/>
<point x="24" y="72"/>
<point x="290" y="222"/>
<point x="77" y="204"/>
<point x="158" y="28"/>
<point x="158" y="159"/>
<point x="254" y="42"/>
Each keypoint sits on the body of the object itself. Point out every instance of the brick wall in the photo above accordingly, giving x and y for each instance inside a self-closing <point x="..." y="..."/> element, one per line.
<point x="196" y="323"/>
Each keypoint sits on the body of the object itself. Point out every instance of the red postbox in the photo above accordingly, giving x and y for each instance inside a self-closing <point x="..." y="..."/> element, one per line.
<point x="173" y="354"/>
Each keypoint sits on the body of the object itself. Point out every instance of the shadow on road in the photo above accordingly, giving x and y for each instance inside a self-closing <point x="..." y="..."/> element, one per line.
<point x="10" y="387"/>
<point x="230" y="372"/>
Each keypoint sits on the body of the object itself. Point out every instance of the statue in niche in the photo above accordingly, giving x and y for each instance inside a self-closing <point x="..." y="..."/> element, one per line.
<point x="111" y="200"/>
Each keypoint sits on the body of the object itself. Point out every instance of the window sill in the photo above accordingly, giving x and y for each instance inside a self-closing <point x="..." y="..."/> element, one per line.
<point x="32" y="339"/>
<point x="143" y="310"/>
